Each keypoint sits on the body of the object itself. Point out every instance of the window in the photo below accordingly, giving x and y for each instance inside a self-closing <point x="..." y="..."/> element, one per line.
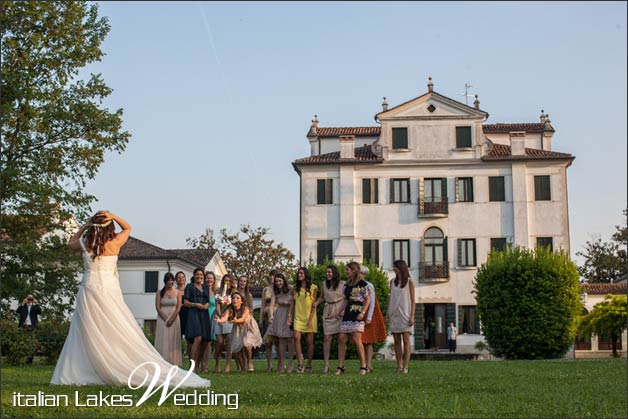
<point x="499" y="243"/>
<point x="150" y="326"/>
<point x="324" y="191"/>
<point x="370" y="251"/>
<point x="542" y="190"/>
<point x="324" y="251"/>
<point x="400" y="138"/>
<point x="469" y="320"/>
<point x="370" y="189"/>
<point x="496" y="190"/>
<point x="399" y="191"/>
<point x="545" y="242"/>
<point x="401" y="250"/>
<point x="151" y="281"/>
<point x="464" y="188"/>
<point x="466" y="252"/>
<point x="463" y="137"/>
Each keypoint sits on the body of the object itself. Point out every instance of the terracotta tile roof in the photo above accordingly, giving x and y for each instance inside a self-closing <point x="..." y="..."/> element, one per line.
<point x="136" y="249"/>
<point x="357" y="131"/>
<point x="603" y="289"/>
<point x="504" y="128"/>
<point x="502" y="152"/>
<point x="362" y="154"/>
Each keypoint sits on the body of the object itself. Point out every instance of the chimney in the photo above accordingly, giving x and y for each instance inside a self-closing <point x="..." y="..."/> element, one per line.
<point x="548" y="123"/>
<point x="312" y="137"/>
<point x="517" y="143"/>
<point x="542" y="117"/>
<point x="384" y="105"/>
<point x="430" y="85"/>
<point x="347" y="145"/>
<point x="476" y="104"/>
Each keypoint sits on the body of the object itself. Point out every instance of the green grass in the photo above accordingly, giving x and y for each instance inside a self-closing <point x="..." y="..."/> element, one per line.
<point x="446" y="389"/>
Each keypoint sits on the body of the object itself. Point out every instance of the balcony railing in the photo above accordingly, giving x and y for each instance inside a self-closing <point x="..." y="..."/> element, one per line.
<point x="434" y="206"/>
<point x="431" y="271"/>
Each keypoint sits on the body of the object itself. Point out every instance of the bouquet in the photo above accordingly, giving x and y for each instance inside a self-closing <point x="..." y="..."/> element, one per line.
<point x="224" y="299"/>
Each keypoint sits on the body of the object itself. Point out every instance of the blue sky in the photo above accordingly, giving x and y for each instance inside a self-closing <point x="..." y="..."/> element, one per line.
<point x="219" y="96"/>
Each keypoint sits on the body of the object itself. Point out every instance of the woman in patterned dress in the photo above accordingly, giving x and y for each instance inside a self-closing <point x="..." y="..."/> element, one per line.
<point x="332" y="293"/>
<point x="304" y="316"/>
<point x="357" y="300"/>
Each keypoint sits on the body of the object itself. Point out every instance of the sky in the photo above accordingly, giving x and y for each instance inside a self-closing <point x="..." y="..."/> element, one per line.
<point x="218" y="98"/>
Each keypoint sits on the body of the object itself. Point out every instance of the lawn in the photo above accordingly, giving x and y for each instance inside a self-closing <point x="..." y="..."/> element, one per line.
<point x="447" y="389"/>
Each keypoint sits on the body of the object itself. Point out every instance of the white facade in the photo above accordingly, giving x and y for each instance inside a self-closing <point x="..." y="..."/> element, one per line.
<point x="516" y="152"/>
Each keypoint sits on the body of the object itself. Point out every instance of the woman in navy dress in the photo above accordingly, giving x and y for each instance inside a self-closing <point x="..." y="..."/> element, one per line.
<point x="198" y="328"/>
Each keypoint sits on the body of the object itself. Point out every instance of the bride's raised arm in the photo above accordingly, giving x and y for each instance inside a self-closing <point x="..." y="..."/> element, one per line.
<point x="122" y="236"/>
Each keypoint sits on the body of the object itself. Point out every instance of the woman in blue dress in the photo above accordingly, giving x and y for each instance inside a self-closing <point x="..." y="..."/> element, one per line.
<point x="198" y="328"/>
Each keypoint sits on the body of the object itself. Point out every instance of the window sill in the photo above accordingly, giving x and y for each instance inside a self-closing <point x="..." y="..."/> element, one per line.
<point x="465" y="202"/>
<point x="401" y="150"/>
<point x="464" y="149"/>
<point x="466" y="268"/>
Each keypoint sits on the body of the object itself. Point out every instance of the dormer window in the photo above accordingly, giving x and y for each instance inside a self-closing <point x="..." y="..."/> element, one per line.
<point x="463" y="137"/>
<point x="400" y="138"/>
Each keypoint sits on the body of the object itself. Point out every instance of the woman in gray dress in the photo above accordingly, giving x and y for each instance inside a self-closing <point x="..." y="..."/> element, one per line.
<point x="281" y="322"/>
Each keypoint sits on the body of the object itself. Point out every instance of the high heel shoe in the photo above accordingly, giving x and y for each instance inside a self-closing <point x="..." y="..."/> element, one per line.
<point x="340" y="370"/>
<point x="363" y="370"/>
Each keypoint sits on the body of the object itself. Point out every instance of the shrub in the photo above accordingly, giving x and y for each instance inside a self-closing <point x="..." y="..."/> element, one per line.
<point x="17" y="345"/>
<point x="51" y="336"/>
<point x="376" y="276"/>
<point x="528" y="302"/>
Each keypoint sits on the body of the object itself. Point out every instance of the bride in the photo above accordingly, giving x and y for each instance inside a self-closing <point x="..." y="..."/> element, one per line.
<point x="105" y="345"/>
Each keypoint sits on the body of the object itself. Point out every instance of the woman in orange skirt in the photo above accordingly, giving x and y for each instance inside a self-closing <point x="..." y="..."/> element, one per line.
<point x="375" y="328"/>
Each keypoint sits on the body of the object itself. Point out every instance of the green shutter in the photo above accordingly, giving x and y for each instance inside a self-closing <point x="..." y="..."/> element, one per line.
<point x="366" y="191"/>
<point x="375" y="251"/>
<point x="475" y="255"/>
<point x="419" y="328"/>
<point x="470" y="189"/>
<point x="463" y="137"/>
<point x="443" y="188"/>
<point x="392" y="190"/>
<point x="329" y="192"/>
<point x="320" y="191"/>
<point x="451" y="313"/>
<point x="459" y="251"/>
<point x="446" y="255"/>
<point x="376" y="190"/>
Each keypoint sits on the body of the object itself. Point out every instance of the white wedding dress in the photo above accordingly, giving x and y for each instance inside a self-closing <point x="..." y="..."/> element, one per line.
<point x="105" y="343"/>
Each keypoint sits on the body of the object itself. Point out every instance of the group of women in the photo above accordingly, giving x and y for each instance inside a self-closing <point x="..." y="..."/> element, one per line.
<point x="224" y="315"/>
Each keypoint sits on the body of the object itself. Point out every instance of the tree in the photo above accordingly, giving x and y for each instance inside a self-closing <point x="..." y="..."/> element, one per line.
<point x="605" y="261"/>
<point x="528" y="302"/>
<point x="55" y="133"/>
<point x="253" y="254"/>
<point x="607" y="318"/>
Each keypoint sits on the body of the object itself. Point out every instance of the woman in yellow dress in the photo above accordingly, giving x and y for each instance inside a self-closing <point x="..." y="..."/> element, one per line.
<point x="305" y="321"/>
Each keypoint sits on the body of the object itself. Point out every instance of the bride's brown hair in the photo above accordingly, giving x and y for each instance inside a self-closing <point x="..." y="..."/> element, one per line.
<point x="98" y="233"/>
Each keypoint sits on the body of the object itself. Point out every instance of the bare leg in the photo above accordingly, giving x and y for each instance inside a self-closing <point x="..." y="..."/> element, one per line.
<point x="200" y="352"/>
<point x="342" y="349"/>
<point x="269" y="356"/>
<point x="205" y="361"/>
<point x="290" y="353"/>
<point x="327" y="350"/>
<point x="310" y="349"/>
<point x="357" y="341"/>
<point x="398" y="351"/>
<point x="281" y="354"/>
<point x="193" y="350"/>
<point x="406" y="350"/>
<point x="297" y="345"/>
<point x="218" y="352"/>
<point x="249" y="357"/>
<point x="368" y="352"/>
<point x="227" y="341"/>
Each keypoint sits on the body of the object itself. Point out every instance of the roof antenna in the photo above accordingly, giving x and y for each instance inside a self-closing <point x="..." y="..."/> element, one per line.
<point x="466" y="93"/>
